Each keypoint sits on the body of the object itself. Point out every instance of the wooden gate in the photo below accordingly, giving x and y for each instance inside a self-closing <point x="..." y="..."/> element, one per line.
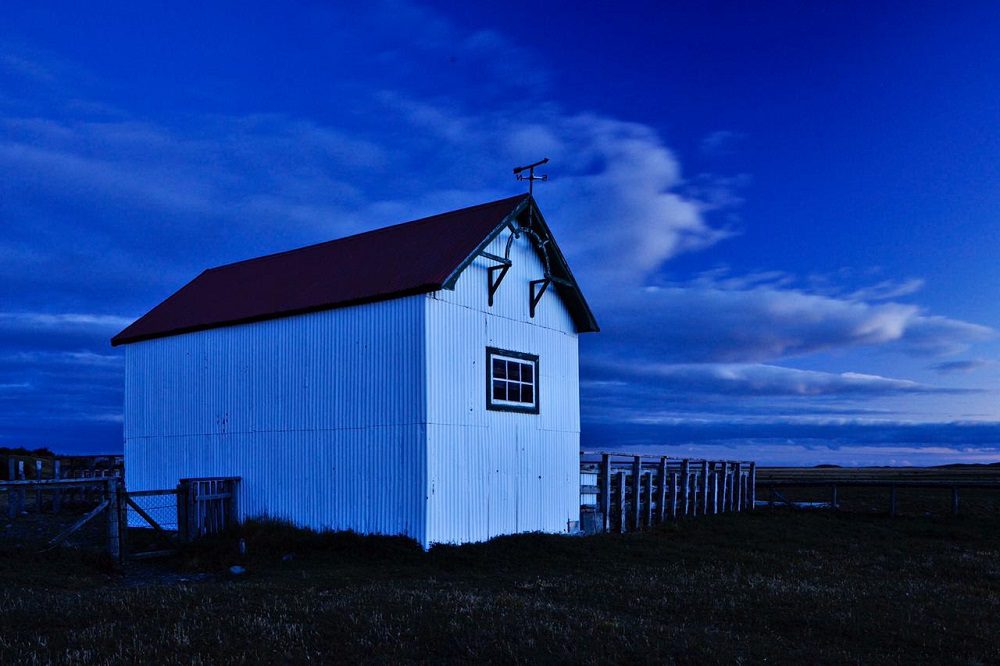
<point x="206" y="506"/>
<point x="197" y="507"/>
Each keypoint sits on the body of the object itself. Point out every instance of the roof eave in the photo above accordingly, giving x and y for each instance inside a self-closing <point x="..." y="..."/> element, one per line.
<point x="124" y="338"/>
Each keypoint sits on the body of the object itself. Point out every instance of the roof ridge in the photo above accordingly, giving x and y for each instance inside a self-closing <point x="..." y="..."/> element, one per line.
<point x="379" y="230"/>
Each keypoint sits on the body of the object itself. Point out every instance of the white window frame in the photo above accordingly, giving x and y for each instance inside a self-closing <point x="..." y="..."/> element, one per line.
<point x="522" y="359"/>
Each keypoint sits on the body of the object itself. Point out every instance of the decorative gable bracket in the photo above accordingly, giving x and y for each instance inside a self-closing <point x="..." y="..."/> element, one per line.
<point x="538" y="287"/>
<point x="496" y="273"/>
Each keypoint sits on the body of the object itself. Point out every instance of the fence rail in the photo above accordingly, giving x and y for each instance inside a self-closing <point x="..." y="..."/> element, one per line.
<point x="75" y="483"/>
<point x="776" y="480"/>
<point x="624" y="492"/>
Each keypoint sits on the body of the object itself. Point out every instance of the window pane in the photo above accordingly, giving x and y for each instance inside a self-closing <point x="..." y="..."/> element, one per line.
<point x="527" y="373"/>
<point x="513" y="370"/>
<point x="513" y="391"/>
<point x="499" y="368"/>
<point x="527" y="394"/>
<point x="499" y="390"/>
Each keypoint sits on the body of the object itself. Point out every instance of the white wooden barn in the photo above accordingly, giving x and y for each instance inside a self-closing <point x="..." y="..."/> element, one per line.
<point x="420" y="379"/>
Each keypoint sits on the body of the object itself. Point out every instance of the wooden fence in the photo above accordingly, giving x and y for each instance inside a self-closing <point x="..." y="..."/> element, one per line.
<point x="105" y="494"/>
<point x="775" y="481"/>
<point x="77" y="468"/>
<point x="203" y="506"/>
<point x="623" y="492"/>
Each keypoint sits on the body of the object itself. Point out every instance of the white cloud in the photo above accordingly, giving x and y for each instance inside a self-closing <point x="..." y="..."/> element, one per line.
<point x="703" y="321"/>
<point x="615" y="190"/>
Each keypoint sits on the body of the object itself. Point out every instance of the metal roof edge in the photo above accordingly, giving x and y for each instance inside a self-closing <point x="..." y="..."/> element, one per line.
<point x="593" y="326"/>
<point x="449" y="282"/>
<point x="119" y="340"/>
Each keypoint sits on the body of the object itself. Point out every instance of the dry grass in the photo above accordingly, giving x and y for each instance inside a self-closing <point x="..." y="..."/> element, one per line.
<point x="776" y="586"/>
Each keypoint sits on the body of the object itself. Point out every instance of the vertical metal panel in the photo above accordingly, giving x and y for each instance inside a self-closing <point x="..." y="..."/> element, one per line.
<point x="492" y="473"/>
<point x="322" y="415"/>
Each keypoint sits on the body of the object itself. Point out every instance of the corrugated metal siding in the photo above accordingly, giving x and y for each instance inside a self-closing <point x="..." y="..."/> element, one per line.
<point x="322" y="415"/>
<point x="372" y="417"/>
<point x="492" y="473"/>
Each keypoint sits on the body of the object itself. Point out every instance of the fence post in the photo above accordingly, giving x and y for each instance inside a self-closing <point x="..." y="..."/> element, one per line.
<point x="606" y="491"/>
<point x="122" y="517"/>
<point x="22" y="504"/>
<point x="622" y="511"/>
<point x="742" y="486"/>
<point x="56" y="492"/>
<point x="233" y="512"/>
<point x="636" y="491"/>
<point x="182" y="514"/>
<point x="661" y="496"/>
<point x="673" y="495"/>
<point x="195" y="511"/>
<point x="892" y="500"/>
<point x="114" y="520"/>
<point x="752" y="486"/>
<point x="745" y="500"/>
<point x="11" y="492"/>
<point x="686" y="486"/>
<point x="724" y="472"/>
<point x="734" y="489"/>
<point x="38" y="489"/>
<point x="715" y="488"/>
<point x="833" y="497"/>
<point x="954" y="500"/>
<point x="704" y="487"/>
<point x="647" y="498"/>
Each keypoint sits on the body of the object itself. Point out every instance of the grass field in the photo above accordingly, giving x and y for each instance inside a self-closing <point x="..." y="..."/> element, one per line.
<point x="779" y="586"/>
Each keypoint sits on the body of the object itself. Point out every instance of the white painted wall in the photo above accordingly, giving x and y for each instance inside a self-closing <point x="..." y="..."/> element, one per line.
<point x="491" y="473"/>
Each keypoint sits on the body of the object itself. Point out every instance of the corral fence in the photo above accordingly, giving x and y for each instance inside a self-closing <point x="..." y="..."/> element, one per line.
<point x="785" y="486"/>
<point x="84" y="475"/>
<point x="623" y="492"/>
<point x="137" y="524"/>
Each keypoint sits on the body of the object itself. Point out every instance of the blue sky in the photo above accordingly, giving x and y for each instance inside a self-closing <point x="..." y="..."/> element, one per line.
<point x="785" y="216"/>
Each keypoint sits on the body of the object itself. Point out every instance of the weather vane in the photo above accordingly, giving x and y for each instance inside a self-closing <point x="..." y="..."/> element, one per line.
<point x="531" y="177"/>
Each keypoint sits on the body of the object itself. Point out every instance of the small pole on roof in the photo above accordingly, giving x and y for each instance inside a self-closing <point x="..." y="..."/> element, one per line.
<point x="531" y="177"/>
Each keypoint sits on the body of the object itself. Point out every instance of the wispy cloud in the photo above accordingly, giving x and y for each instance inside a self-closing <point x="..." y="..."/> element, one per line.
<point x="69" y="320"/>
<point x="753" y="380"/>
<point x="962" y="366"/>
<point x="887" y="290"/>
<point x="85" y="358"/>
<point x="720" y="143"/>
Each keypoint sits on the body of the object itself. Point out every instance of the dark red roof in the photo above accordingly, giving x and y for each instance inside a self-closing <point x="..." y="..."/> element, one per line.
<point x="410" y="258"/>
